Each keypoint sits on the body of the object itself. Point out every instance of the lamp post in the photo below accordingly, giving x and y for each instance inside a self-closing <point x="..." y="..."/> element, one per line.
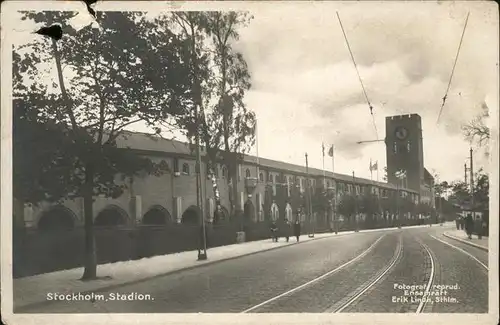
<point x="202" y="251"/>
<point x="400" y="175"/>
<point x="308" y="200"/>
<point x="355" y="201"/>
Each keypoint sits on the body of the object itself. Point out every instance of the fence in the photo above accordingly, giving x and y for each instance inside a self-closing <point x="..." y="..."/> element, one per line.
<point x="36" y="252"/>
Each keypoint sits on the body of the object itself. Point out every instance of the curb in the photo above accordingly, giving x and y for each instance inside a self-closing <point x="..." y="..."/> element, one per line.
<point x="466" y="242"/>
<point x="22" y="309"/>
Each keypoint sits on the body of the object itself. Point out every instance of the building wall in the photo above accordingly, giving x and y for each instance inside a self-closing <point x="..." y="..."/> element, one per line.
<point x="405" y="152"/>
<point x="175" y="191"/>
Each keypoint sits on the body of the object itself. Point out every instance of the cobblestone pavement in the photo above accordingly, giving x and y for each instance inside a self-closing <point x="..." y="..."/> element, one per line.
<point x="460" y="270"/>
<point x="371" y="283"/>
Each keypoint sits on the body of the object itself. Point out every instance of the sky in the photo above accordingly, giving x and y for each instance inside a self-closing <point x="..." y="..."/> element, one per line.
<point x="305" y="90"/>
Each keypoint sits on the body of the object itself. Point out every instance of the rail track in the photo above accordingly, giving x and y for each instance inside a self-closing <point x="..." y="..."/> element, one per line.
<point x="348" y="301"/>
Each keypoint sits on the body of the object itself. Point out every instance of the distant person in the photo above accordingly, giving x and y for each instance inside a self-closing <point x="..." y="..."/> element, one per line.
<point x="287" y="229"/>
<point x="457" y="222"/>
<point x="483" y="225"/>
<point x="274" y="232"/>
<point x="296" y="230"/>
<point x="469" y="225"/>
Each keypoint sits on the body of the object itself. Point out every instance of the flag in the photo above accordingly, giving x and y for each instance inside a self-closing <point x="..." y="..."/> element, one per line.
<point x="374" y="166"/>
<point x="400" y="174"/>
<point x="330" y="152"/>
<point x="323" y="148"/>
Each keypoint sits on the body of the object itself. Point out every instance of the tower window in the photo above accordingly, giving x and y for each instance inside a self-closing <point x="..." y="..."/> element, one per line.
<point x="408" y="146"/>
<point x="395" y="147"/>
<point x="185" y="169"/>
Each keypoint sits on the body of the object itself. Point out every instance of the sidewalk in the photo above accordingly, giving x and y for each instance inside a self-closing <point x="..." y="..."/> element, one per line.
<point x="461" y="236"/>
<point x="33" y="290"/>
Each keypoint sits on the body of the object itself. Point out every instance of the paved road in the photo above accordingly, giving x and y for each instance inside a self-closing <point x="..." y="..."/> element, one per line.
<point x="362" y="272"/>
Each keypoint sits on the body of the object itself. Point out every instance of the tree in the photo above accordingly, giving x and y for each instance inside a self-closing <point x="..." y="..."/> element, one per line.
<point x="107" y="87"/>
<point x="477" y="130"/>
<point x="268" y="201"/>
<point x="482" y="190"/>
<point x="320" y="200"/>
<point x="38" y="143"/>
<point x="385" y="174"/>
<point x="347" y="205"/>
<point x="220" y="79"/>
<point x="369" y="205"/>
<point x="297" y="200"/>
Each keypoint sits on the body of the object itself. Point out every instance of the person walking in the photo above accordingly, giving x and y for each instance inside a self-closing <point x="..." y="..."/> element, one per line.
<point x="469" y="225"/>
<point x="296" y="229"/>
<point x="287" y="230"/>
<point x="274" y="232"/>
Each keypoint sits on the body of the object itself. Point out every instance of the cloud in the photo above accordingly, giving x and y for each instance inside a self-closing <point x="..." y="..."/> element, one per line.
<point x="404" y="57"/>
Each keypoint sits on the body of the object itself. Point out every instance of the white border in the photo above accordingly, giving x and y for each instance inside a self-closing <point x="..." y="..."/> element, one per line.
<point x="6" y="190"/>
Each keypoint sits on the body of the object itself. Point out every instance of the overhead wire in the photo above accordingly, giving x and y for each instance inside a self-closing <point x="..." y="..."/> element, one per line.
<point x="359" y="76"/>
<point x="453" y="70"/>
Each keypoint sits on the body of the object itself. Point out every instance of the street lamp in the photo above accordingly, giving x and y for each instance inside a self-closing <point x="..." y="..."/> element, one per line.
<point x="400" y="175"/>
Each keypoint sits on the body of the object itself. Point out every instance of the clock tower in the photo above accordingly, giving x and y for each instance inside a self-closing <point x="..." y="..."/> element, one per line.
<point x="404" y="148"/>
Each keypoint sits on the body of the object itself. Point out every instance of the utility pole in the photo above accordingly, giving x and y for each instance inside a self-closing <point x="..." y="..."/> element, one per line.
<point x="397" y="201"/>
<point x="202" y="251"/>
<point x="308" y="193"/>
<point x="465" y="173"/>
<point x="471" y="182"/>
<point x="355" y="200"/>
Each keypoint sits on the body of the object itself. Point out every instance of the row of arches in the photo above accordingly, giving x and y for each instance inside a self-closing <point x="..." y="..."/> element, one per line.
<point x="62" y="218"/>
<point x="249" y="211"/>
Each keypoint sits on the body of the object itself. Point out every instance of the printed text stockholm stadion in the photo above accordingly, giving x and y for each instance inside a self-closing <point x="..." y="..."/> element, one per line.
<point x="112" y="296"/>
<point x="419" y="293"/>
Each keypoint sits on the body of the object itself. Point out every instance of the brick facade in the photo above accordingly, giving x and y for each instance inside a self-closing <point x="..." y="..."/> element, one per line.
<point x="174" y="193"/>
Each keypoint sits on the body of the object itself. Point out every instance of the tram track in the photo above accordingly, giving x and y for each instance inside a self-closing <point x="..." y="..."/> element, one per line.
<point x="347" y="301"/>
<point x="315" y="280"/>
<point x="373" y="281"/>
<point x="462" y="251"/>
<point x="424" y="302"/>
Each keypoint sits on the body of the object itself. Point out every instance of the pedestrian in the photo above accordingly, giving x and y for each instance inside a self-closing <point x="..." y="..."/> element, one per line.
<point x="482" y="227"/>
<point x="287" y="229"/>
<point x="469" y="225"/>
<point x="296" y="229"/>
<point x="274" y="232"/>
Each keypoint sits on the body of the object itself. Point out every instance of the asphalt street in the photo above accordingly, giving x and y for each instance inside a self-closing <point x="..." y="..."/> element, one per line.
<point x="399" y="271"/>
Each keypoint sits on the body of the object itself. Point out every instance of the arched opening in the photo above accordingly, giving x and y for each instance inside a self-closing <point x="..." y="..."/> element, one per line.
<point x="289" y="212"/>
<point x="249" y="210"/>
<point x="221" y="215"/>
<point x="58" y="218"/>
<point x="224" y="172"/>
<point x="275" y="213"/>
<point x="191" y="216"/>
<point x="111" y="216"/>
<point x="261" y="177"/>
<point x="157" y="215"/>
<point x="247" y="173"/>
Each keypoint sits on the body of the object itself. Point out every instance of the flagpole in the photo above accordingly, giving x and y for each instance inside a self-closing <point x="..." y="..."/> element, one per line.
<point x="334" y="203"/>
<point x="257" y="146"/>
<point x="324" y="173"/>
<point x="377" y="170"/>
<point x="355" y="201"/>
<point x="333" y="158"/>
<point x="371" y="170"/>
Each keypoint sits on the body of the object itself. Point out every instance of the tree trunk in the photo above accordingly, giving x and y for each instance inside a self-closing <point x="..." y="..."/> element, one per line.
<point x="90" y="271"/>
<point x="232" y="168"/>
